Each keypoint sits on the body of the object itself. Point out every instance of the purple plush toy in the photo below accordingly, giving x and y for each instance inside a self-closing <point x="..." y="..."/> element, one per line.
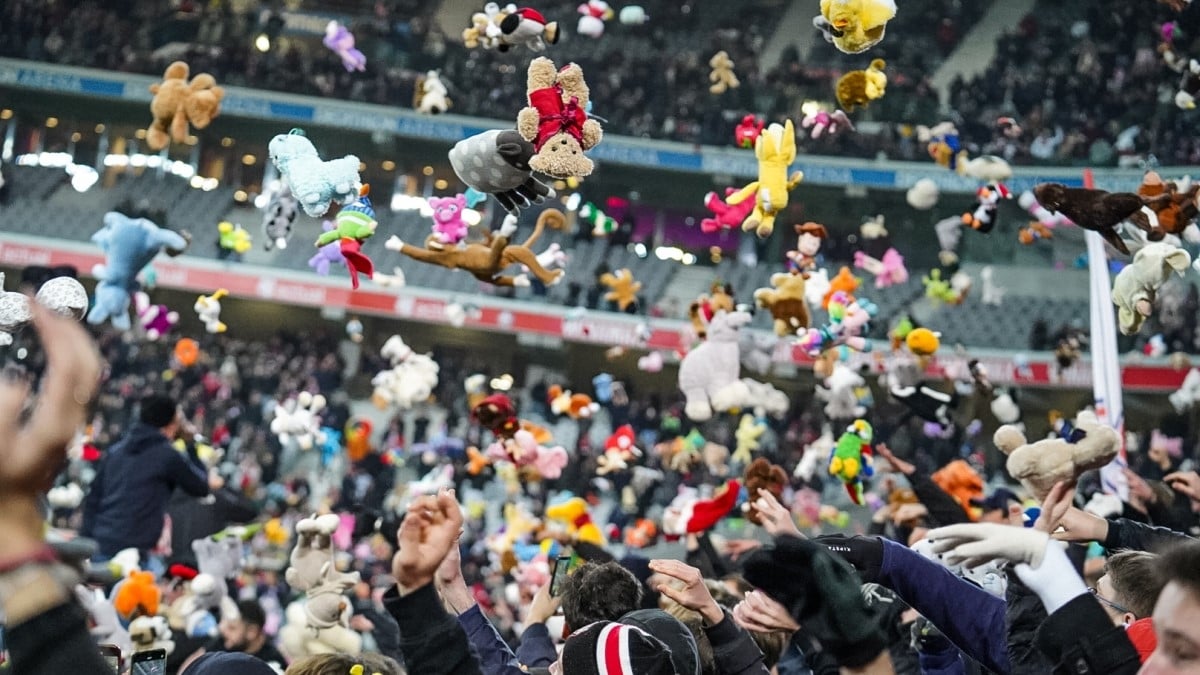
<point x="327" y="255"/>
<point x="341" y="41"/>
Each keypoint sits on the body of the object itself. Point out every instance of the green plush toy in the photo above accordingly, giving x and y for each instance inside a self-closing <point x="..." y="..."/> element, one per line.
<point x="850" y="459"/>
<point x="234" y="238"/>
<point x="602" y="225"/>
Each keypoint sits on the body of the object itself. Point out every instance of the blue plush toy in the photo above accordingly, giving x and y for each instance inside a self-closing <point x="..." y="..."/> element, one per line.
<point x="129" y="245"/>
<point x="316" y="183"/>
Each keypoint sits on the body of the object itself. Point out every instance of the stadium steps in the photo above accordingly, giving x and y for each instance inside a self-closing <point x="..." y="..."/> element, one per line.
<point x="977" y="49"/>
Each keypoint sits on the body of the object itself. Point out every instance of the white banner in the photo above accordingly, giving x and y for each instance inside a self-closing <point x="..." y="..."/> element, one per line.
<point x="1106" y="366"/>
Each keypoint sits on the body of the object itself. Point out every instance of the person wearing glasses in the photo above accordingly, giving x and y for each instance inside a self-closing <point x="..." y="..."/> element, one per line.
<point x="1127" y="591"/>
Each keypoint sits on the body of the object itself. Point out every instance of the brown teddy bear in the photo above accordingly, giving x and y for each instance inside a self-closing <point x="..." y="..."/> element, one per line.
<point x="623" y="289"/>
<point x="719" y="297"/>
<point x="1174" y="209"/>
<point x="556" y="120"/>
<point x="785" y="301"/>
<point x="770" y="477"/>
<point x="177" y="102"/>
<point x="857" y="88"/>
<point x="722" y="77"/>
<point x="1042" y="464"/>
<point x="1094" y="210"/>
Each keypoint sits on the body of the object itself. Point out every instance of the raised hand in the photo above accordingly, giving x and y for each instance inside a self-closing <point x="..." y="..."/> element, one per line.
<point x="758" y="612"/>
<point x="776" y="519"/>
<point x="693" y="594"/>
<point x="906" y="468"/>
<point x="426" y="537"/>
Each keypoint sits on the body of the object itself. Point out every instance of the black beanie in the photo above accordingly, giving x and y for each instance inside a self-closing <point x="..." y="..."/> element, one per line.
<point x="609" y="648"/>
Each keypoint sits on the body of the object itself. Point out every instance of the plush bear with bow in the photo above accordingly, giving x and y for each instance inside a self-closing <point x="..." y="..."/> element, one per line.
<point x="129" y="245"/>
<point x="316" y="183"/>
<point x="1136" y="285"/>
<point x="556" y="120"/>
<point x="1041" y="464"/>
<point x="709" y="374"/>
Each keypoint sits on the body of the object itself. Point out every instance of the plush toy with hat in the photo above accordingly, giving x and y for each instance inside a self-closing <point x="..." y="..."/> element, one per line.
<point x="354" y="224"/>
<point x="1137" y="284"/>
<point x="620" y="450"/>
<point x="316" y="183"/>
<point x="1174" y="207"/>
<point x="722" y="76"/>
<point x="623" y="289"/>
<point x="1041" y="464"/>
<point x="689" y="514"/>
<point x="943" y="144"/>
<point x="410" y="380"/>
<point x="498" y="163"/>
<point x="340" y="41"/>
<point x="808" y="244"/>
<point x="746" y="133"/>
<point x="484" y="30"/>
<point x="850" y="459"/>
<point x="556" y="120"/>
<point x="725" y="215"/>
<point x="889" y="270"/>
<point x="574" y="513"/>
<point x="527" y="26"/>
<point x="177" y="102"/>
<point x="786" y="302"/>
<point x="857" y="88"/>
<point x="854" y="26"/>
<point x="823" y="122"/>
<point x="592" y="15"/>
<point x="762" y="475"/>
<point x="983" y="218"/>
<point x="709" y="374"/>
<point x="775" y="150"/>
<point x="129" y="245"/>
<point x="208" y="309"/>
<point x="1094" y="210"/>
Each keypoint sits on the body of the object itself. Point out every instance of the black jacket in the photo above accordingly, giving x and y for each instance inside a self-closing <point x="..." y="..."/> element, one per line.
<point x="432" y="641"/>
<point x="1023" y="616"/>
<point x="124" y="507"/>
<point x="1127" y="534"/>
<point x="55" y="641"/>
<point x="1080" y="639"/>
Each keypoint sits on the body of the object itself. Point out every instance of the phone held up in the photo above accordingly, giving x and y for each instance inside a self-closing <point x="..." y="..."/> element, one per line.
<point x="562" y="568"/>
<point x="112" y="656"/>
<point x="149" y="662"/>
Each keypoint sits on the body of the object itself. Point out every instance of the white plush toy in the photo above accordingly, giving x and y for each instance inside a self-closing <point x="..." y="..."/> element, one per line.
<point x="432" y="96"/>
<point x="765" y="397"/>
<point x="923" y="195"/>
<point x="151" y="632"/>
<point x="208" y="308"/>
<point x="1136" y="285"/>
<point x="841" y="402"/>
<point x="296" y="421"/>
<point x="709" y="376"/>
<point x="105" y="624"/>
<point x="816" y="455"/>
<point x="816" y="287"/>
<point x="411" y="379"/>
<point x="1188" y="393"/>
<point x="992" y="294"/>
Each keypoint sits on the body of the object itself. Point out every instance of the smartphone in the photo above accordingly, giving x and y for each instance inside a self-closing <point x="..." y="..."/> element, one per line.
<point x="562" y="567"/>
<point x="112" y="656"/>
<point x="149" y="662"/>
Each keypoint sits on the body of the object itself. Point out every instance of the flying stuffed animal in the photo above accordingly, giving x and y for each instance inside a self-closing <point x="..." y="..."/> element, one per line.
<point x="497" y="163"/>
<point x="208" y="308"/>
<point x="177" y="102"/>
<point x="593" y="14"/>
<point x="983" y="219"/>
<point x="449" y="228"/>
<point x="526" y="26"/>
<point x="719" y="298"/>
<point x="848" y="319"/>
<point x="128" y="245"/>
<point x="431" y="96"/>
<point x="804" y="257"/>
<point x="315" y="183"/>
<point x="354" y="224"/>
<point x="726" y="216"/>
<point x="857" y="88"/>
<point x="64" y="295"/>
<point x="850" y="459"/>
<point x="750" y="430"/>
<point x="709" y="374"/>
<point x="602" y="224"/>
<point x="854" y="26"/>
<point x="620" y="450"/>
<point x="156" y="320"/>
<point x="775" y="150"/>
<point x="556" y="120"/>
<point x="565" y="402"/>
<point x="786" y="302"/>
<point x="623" y="289"/>
<point x="888" y="270"/>
<point x="278" y="218"/>
<point x="746" y="133"/>
<point x="327" y="255"/>
<point x="1137" y="284"/>
<point x="233" y="238"/>
<point x="943" y="144"/>
<point x="1094" y="210"/>
<point x="340" y="41"/>
<point x="1043" y="223"/>
<point x="722" y="76"/>
<point x="822" y="122"/>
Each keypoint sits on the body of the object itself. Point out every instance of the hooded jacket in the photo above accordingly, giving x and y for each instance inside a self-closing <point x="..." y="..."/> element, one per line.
<point x="128" y="498"/>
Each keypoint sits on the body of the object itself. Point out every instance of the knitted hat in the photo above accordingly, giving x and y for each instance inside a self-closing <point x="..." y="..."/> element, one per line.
<point x="685" y="655"/>
<point x="608" y="648"/>
<point x="228" y="663"/>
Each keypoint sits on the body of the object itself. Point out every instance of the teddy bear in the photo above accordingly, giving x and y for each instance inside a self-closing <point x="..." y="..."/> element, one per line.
<point x="785" y="301"/>
<point x="340" y="41"/>
<point x="556" y="120"/>
<point x="449" y="228"/>
<point x="177" y="102"/>
<point x="1136" y="284"/>
<point x="700" y="312"/>
<point x="527" y="26"/>
<point x="857" y="88"/>
<point x="983" y="218"/>
<point x="709" y="374"/>
<point x="498" y="163"/>
<point x="722" y="76"/>
<point x="854" y="26"/>
<point x="431" y="96"/>
<point x="775" y="151"/>
<point x="129" y="245"/>
<point x="726" y="215"/>
<point x="314" y="182"/>
<point x="623" y="289"/>
<point x="850" y="459"/>
<point x="1041" y="464"/>
<point x="762" y="475"/>
<point x="410" y="380"/>
<point x="1174" y="209"/>
<point x="484" y="30"/>
<point x="278" y="218"/>
<point x="208" y="309"/>
<point x="1094" y="210"/>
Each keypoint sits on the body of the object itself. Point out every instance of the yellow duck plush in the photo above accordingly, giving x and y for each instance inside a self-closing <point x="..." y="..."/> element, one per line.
<point x="857" y="88"/>
<point x="574" y="514"/>
<point x="775" y="150"/>
<point x="854" y="26"/>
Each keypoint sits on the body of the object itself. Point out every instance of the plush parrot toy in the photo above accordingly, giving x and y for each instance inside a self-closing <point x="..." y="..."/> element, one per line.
<point x="850" y="459"/>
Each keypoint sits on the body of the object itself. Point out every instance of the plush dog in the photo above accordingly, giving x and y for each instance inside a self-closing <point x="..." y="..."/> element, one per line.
<point x="722" y="77"/>
<point x="857" y="88"/>
<point x="785" y="301"/>
<point x="1136" y="285"/>
<point x="623" y="288"/>
<point x="709" y="374"/>
<point x="854" y="26"/>
<point x="498" y="163"/>
<point x="1094" y="210"/>
<point x="1041" y="464"/>
<point x="177" y="102"/>
<point x="556" y="120"/>
<point x="315" y="183"/>
<point x="129" y="245"/>
<point x="486" y="260"/>
<point x="775" y="150"/>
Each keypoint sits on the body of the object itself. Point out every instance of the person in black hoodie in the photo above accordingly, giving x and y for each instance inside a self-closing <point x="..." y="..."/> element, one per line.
<point x="125" y="505"/>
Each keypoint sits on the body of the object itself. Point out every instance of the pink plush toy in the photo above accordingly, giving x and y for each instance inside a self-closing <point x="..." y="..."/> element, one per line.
<point x="523" y="450"/>
<point x="821" y="122"/>
<point x="156" y="320"/>
<point x="848" y="320"/>
<point x="727" y="215"/>
<point x="339" y="39"/>
<point x="888" y="271"/>
<point x="448" y="225"/>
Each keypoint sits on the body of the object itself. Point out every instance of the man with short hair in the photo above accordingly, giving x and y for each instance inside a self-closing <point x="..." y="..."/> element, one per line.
<point x="595" y="592"/>
<point x="244" y="633"/>
<point x="127" y="500"/>
<point x="1177" y="613"/>
<point x="1127" y="592"/>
